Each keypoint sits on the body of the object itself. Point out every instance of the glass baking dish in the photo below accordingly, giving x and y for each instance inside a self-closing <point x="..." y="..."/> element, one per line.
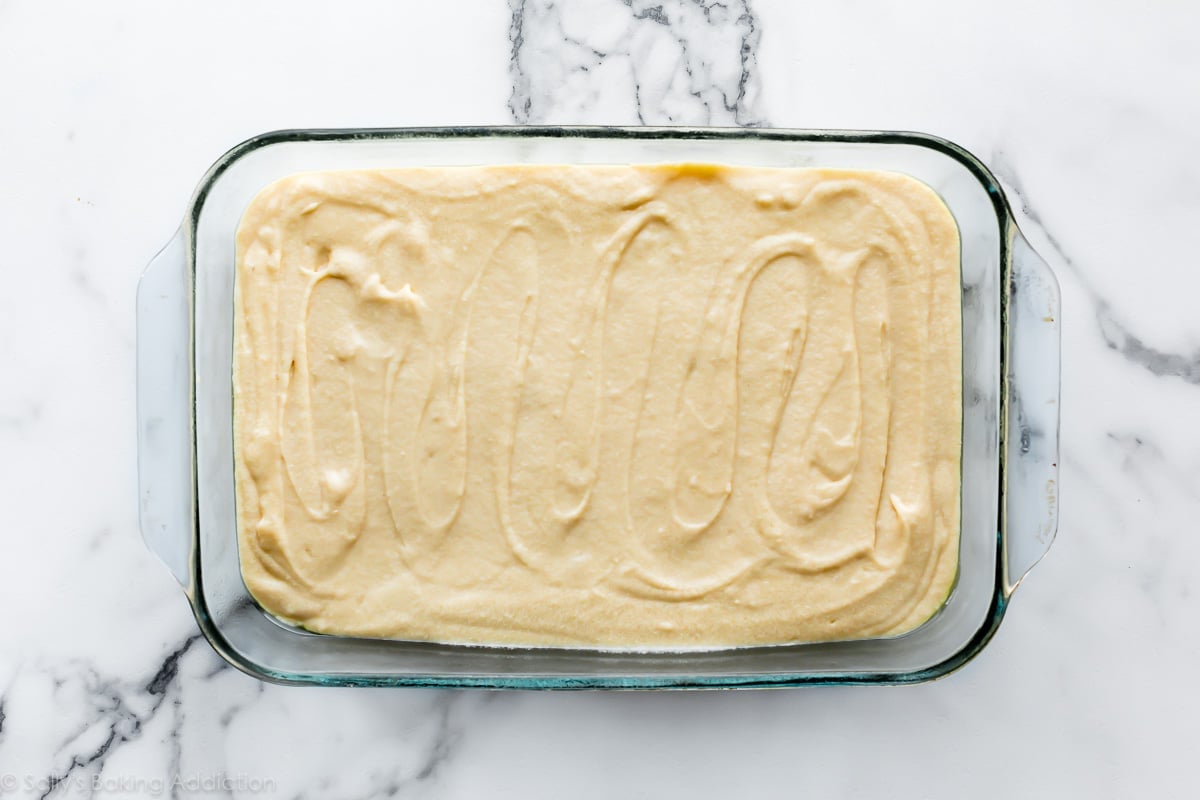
<point x="1010" y="318"/>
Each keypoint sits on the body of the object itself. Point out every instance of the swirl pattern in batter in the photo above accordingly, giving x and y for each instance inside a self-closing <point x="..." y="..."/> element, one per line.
<point x="645" y="407"/>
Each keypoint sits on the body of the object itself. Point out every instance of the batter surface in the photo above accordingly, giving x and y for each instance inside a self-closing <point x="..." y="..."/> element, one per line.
<point x="619" y="406"/>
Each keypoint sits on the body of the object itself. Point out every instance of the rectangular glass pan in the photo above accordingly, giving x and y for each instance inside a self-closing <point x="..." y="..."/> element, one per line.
<point x="1010" y="413"/>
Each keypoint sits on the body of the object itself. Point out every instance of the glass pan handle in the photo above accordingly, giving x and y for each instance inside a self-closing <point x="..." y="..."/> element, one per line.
<point x="165" y="485"/>
<point x="1030" y="519"/>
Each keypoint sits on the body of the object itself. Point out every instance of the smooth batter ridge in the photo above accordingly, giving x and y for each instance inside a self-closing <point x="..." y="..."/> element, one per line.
<point x="645" y="407"/>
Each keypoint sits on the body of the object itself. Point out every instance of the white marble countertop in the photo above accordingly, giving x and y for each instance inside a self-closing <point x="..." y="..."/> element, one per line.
<point x="110" y="113"/>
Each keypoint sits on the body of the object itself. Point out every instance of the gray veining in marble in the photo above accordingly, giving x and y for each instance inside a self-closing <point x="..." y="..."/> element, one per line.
<point x="1117" y="335"/>
<point x="633" y="61"/>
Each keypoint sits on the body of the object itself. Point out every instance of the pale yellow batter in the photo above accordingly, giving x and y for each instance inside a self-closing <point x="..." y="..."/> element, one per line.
<point x="617" y="406"/>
